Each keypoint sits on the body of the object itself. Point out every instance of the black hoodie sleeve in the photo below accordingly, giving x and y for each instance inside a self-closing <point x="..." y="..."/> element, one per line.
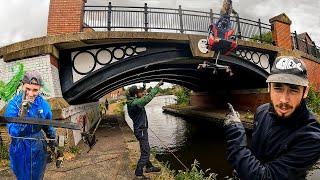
<point x="290" y="165"/>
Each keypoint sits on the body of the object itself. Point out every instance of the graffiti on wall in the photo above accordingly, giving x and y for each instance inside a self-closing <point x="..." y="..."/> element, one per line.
<point x="8" y="90"/>
<point x="85" y="117"/>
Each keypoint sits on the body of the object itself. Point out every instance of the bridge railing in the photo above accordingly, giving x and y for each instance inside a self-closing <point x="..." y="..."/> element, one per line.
<point x="305" y="45"/>
<point x="151" y="19"/>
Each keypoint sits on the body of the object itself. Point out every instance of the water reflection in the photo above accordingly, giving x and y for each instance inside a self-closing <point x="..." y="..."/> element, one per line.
<point x="171" y="130"/>
<point x="189" y="139"/>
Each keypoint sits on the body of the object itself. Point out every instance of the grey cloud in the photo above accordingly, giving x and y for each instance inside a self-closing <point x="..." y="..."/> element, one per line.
<point x="24" y="19"/>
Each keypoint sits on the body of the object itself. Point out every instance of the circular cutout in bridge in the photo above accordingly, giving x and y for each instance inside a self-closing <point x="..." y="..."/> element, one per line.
<point x="104" y="56"/>
<point x="84" y="62"/>
<point x="118" y="53"/>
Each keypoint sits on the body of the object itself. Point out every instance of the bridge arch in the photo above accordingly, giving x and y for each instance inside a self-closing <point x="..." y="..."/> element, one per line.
<point x="172" y="61"/>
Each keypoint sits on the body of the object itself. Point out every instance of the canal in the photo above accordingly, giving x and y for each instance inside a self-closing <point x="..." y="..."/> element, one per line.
<point x="189" y="139"/>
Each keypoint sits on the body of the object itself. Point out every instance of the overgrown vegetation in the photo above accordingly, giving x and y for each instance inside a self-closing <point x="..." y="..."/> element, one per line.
<point x="266" y="37"/>
<point x="74" y="149"/>
<point x="4" y="150"/>
<point x="166" y="91"/>
<point x="313" y="100"/>
<point x="119" y="109"/>
<point x="195" y="173"/>
<point x="183" y="95"/>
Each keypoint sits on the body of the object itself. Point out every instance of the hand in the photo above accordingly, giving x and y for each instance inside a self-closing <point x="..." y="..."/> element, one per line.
<point x="160" y="83"/>
<point x="232" y="116"/>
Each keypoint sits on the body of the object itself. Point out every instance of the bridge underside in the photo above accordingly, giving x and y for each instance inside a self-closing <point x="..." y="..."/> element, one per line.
<point x="174" y="64"/>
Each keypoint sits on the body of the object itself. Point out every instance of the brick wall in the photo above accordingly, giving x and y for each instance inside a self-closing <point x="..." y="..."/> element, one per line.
<point x="41" y="64"/>
<point x="244" y="100"/>
<point x="313" y="72"/>
<point x="65" y="16"/>
<point x="281" y="34"/>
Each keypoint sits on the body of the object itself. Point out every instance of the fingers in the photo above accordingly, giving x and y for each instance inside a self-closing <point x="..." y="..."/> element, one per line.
<point x="238" y="115"/>
<point x="160" y="82"/>
<point x="231" y="108"/>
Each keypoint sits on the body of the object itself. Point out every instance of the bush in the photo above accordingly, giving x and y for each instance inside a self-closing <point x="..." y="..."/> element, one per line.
<point x="195" y="173"/>
<point x="313" y="100"/>
<point x="183" y="96"/>
<point x="119" y="109"/>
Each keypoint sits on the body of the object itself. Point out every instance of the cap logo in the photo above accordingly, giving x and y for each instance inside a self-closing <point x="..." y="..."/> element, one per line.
<point x="287" y="63"/>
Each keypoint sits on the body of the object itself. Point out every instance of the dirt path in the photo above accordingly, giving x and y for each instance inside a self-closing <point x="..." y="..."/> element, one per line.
<point x="113" y="157"/>
<point x="107" y="160"/>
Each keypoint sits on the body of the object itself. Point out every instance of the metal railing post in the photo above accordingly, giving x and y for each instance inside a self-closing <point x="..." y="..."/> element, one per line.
<point x="305" y="40"/>
<point x="260" y="31"/>
<point x="239" y="28"/>
<point x="314" y="49"/>
<point x="109" y="16"/>
<point x="180" y="18"/>
<point x="211" y="16"/>
<point x="145" y="17"/>
<point x="296" y="39"/>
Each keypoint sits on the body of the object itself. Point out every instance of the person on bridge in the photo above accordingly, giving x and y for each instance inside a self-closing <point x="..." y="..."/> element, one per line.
<point x="286" y="135"/>
<point x="28" y="148"/>
<point x="135" y="104"/>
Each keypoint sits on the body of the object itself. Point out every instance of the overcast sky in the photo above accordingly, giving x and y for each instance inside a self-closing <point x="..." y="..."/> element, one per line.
<point x="25" y="19"/>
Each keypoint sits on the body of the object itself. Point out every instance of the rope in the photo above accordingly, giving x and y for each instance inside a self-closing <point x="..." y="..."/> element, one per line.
<point x="162" y="143"/>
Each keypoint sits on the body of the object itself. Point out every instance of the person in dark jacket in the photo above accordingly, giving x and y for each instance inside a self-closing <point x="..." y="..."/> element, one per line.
<point x="135" y="104"/>
<point x="286" y="135"/>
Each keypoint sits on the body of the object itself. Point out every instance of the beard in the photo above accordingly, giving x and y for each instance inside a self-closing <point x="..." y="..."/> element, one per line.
<point x="281" y="106"/>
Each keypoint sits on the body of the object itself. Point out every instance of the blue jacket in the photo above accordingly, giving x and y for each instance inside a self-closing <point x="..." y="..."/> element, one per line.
<point x="280" y="149"/>
<point x="24" y="152"/>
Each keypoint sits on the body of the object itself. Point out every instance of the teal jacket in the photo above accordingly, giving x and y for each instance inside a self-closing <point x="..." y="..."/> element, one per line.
<point x="137" y="111"/>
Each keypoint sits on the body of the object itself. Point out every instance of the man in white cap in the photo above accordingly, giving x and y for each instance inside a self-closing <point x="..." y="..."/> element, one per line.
<point x="286" y="135"/>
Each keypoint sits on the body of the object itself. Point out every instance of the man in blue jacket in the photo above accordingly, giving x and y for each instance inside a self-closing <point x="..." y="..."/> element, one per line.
<point x="286" y="135"/>
<point x="135" y="104"/>
<point x="28" y="148"/>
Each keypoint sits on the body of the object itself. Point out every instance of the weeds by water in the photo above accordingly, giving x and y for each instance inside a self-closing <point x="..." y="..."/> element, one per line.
<point x="195" y="173"/>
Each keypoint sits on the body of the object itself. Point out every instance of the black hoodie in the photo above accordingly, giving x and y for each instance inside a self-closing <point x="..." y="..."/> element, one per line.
<point x="280" y="149"/>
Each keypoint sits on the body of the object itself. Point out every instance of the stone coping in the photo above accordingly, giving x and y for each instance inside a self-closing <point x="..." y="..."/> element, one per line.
<point x="52" y="44"/>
